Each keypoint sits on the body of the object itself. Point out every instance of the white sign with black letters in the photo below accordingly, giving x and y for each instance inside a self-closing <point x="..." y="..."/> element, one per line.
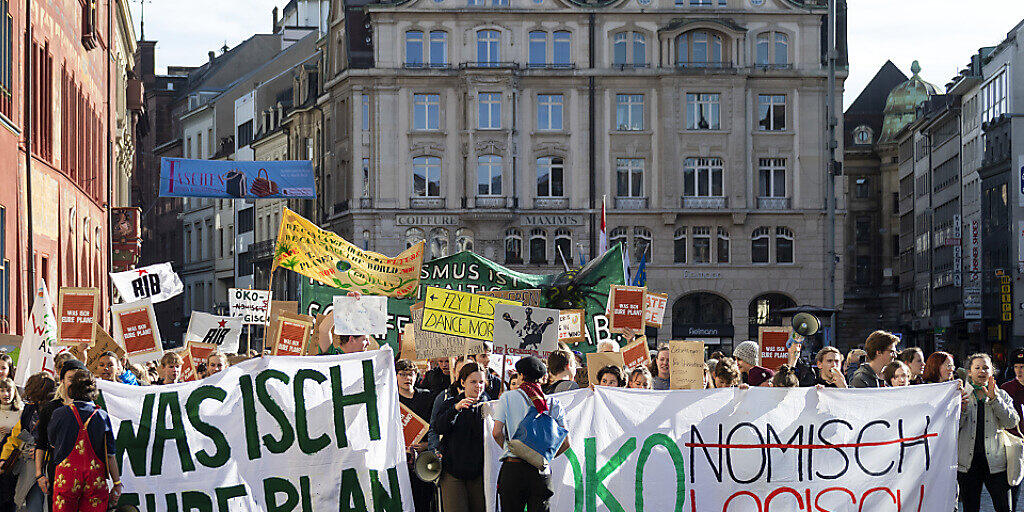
<point x="253" y="306"/>
<point x="155" y="282"/>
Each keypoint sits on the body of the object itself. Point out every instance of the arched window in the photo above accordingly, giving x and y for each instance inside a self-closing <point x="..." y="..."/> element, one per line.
<point x="699" y="309"/>
<point x="414" y="49"/>
<point x="783" y="245"/>
<point x="438" y="243"/>
<point x="679" y="246"/>
<point x="488" y="172"/>
<point x="426" y="175"/>
<point x="764" y="310"/>
<point x="759" y="242"/>
<point x="413" y="236"/>
<point x="723" y="245"/>
<point x="487" y="49"/>
<point x="550" y="174"/>
<point x="464" y="239"/>
<point x="642" y="244"/>
<point x="538" y="247"/>
<point x="629" y="49"/>
<point x="513" y="246"/>
<point x="563" y="245"/>
<point x="772" y="49"/>
<point x="619" y="235"/>
<point x="699" y="48"/>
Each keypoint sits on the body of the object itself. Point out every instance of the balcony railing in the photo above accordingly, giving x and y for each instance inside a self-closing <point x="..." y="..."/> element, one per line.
<point x="703" y="202"/>
<point x="551" y="65"/>
<point x="426" y="202"/>
<point x="551" y="203"/>
<point x="703" y="65"/>
<point x="427" y="65"/>
<point x="491" y="202"/>
<point x="262" y="250"/>
<point x="633" y="65"/>
<point x="630" y="203"/>
<point x="773" y="203"/>
<point x="766" y="67"/>
<point x="489" y="65"/>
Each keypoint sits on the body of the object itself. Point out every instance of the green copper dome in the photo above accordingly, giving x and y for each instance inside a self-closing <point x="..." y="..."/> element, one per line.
<point x="901" y="105"/>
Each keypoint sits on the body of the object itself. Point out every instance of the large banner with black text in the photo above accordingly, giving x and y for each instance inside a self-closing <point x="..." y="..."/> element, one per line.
<point x="271" y="434"/>
<point x="759" y="449"/>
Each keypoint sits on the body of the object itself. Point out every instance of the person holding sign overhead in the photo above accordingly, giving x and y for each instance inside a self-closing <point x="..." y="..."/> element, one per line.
<point x="344" y="343"/>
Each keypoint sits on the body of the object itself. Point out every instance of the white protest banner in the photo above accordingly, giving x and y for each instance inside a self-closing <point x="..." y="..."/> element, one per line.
<point x="252" y="306"/>
<point x="266" y="435"/>
<point x="524" y="330"/>
<point x="155" y="282"/>
<point x="366" y="314"/>
<point x="760" y="449"/>
<point x="37" y="347"/>
<point x="222" y="331"/>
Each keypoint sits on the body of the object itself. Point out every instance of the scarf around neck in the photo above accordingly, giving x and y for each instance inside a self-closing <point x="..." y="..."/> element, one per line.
<point x="536" y="395"/>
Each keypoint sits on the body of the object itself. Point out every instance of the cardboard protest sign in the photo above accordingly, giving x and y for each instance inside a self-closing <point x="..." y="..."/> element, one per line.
<point x="77" y="311"/>
<point x="221" y="331"/>
<point x="292" y="334"/>
<point x="627" y="305"/>
<point x="686" y="364"/>
<point x="276" y="307"/>
<point x="636" y="354"/>
<point x="879" y="450"/>
<point x="432" y="345"/>
<point x="367" y="314"/>
<point x="654" y="313"/>
<point x="188" y="366"/>
<point x="329" y="259"/>
<point x="413" y="427"/>
<point x="408" y="344"/>
<point x="104" y="343"/>
<point x="461" y="314"/>
<point x="530" y="297"/>
<point x="506" y="363"/>
<point x="155" y="282"/>
<point x="570" y="326"/>
<point x="136" y="330"/>
<point x="200" y="351"/>
<point x="355" y="447"/>
<point x="773" y="346"/>
<point x="252" y="306"/>
<point x="523" y="330"/>
<point x="598" y="360"/>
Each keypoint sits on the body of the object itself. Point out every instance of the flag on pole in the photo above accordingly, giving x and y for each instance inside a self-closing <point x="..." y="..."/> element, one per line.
<point x="625" y="262"/>
<point x="155" y="282"/>
<point x="602" y="239"/>
<point x="640" y="279"/>
<point x="37" y="348"/>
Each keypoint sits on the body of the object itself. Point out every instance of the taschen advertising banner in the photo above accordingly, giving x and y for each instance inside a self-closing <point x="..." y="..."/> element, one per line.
<point x="268" y="434"/>
<point x="760" y="449"/>
<point x="231" y="179"/>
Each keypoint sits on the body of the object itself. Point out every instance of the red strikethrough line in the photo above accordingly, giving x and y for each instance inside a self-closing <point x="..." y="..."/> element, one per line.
<point x="809" y="446"/>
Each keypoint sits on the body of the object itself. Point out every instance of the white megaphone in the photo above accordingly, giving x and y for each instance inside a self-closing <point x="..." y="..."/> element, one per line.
<point x="427" y="467"/>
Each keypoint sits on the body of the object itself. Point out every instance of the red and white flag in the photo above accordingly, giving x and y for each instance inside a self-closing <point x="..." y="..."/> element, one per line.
<point x="602" y="240"/>
<point x="37" y="347"/>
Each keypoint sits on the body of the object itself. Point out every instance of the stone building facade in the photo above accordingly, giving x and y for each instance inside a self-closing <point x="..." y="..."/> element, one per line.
<point x="500" y="126"/>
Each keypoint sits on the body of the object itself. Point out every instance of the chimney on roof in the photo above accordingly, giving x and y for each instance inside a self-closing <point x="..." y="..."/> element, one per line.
<point x="273" y="28"/>
<point x="212" y="55"/>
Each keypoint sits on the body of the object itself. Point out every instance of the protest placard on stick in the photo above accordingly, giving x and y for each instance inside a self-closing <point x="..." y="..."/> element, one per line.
<point x="460" y="314"/>
<point x="525" y="330"/>
<point x="628" y="306"/>
<point x="136" y="330"/>
<point x="252" y="306"/>
<point x="772" y="341"/>
<point x="686" y="364"/>
<point x="276" y="307"/>
<point x="292" y="334"/>
<point x="636" y="354"/>
<point x="432" y="345"/>
<point x="77" y="311"/>
<point x="571" y="326"/>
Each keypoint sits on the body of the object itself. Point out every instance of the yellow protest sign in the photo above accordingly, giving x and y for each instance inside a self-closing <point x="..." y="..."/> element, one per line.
<point x="325" y="257"/>
<point x="460" y="314"/>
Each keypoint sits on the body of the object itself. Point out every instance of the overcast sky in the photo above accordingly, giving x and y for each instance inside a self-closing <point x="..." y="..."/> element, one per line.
<point x="941" y="34"/>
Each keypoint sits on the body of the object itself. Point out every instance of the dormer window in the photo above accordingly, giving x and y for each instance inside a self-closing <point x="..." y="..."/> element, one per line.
<point x="862" y="135"/>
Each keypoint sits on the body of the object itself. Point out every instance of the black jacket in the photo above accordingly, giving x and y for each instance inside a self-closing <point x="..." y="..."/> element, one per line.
<point x="462" y="441"/>
<point x="435" y="380"/>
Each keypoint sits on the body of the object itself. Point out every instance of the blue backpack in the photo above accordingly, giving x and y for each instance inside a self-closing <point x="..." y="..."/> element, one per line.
<point x="538" y="437"/>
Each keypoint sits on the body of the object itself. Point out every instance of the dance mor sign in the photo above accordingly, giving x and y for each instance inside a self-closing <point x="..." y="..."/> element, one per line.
<point x="271" y="434"/>
<point x="759" y="450"/>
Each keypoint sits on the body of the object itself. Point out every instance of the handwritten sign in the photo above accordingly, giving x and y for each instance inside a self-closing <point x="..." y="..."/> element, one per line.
<point x="413" y="427"/>
<point x="628" y="306"/>
<point x="292" y="334"/>
<point x="598" y="360"/>
<point x="636" y="354"/>
<point x="570" y="326"/>
<point x="253" y="306"/>
<point x="529" y="297"/>
<point x="367" y="314"/>
<point x="137" y="331"/>
<point x="686" y="364"/>
<point x="77" y="311"/>
<point x="432" y="345"/>
<point x="773" y="346"/>
<point x="654" y="314"/>
<point x="460" y="314"/>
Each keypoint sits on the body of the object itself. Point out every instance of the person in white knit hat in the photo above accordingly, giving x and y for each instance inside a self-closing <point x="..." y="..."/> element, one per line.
<point x="746" y="357"/>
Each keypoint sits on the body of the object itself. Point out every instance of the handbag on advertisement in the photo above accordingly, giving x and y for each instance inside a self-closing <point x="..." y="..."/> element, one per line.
<point x="235" y="184"/>
<point x="1014" y="447"/>
<point x="262" y="186"/>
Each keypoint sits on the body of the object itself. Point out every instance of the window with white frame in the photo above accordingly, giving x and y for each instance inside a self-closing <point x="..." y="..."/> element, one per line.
<point x="513" y="246"/>
<point x="414" y="48"/>
<point x="642" y="244"/>
<point x="629" y="49"/>
<point x="995" y="96"/>
<point x="487" y="48"/>
<point x="679" y="246"/>
<point x="772" y="49"/>
<point x="538" y="247"/>
<point x="759" y="242"/>
<point x="723" y="245"/>
<point x="629" y="112"/>
<point x="563" y="245"/>
<point x="783" y="245"/>
<point x="699" y="48"/>
<point x="550" y="173"/>
<point x="702" y="177"/>
<point x="426" y="109"/>
<point x="771" y="110"/>
<point x="426" y="173"/>
<point x="619" y="235"/>
<point x="490" y="110"/>
<point x="771" y="177"/>
<point x="438" y="48"/>
<point x="488" y="171"/>
<point x="701" y="244"/>
<point x="538" y="49"/>
<point x="549" y="112"/>
<point x="630" y="177"/>
<point x="702" y="111"/>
